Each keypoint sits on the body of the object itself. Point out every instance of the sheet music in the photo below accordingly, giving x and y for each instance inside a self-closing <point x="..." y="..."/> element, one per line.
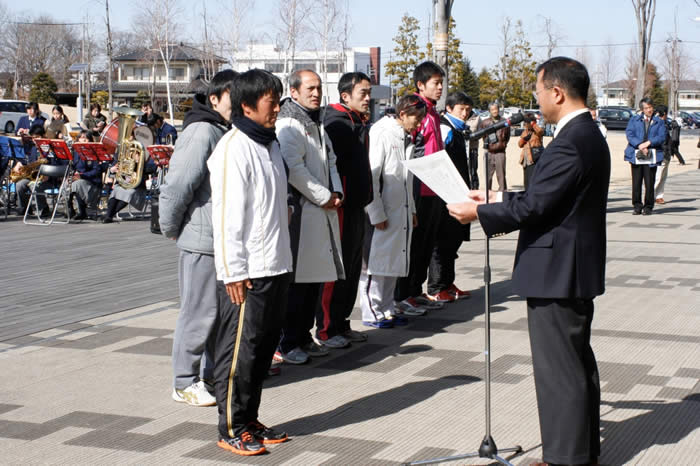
<point x="439" y="173"/>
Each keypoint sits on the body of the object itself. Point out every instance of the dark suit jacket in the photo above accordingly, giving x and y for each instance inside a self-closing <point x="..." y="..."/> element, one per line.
<point x="561" y="217"/>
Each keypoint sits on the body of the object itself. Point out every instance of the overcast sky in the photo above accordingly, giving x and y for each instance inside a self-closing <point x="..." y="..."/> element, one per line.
<point x="375" y="22"/>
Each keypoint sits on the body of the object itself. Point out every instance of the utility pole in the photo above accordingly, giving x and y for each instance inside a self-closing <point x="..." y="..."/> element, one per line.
<point x="443" y="11"/>
<point x="109" y="63"/>
<point x="674" y="83"/>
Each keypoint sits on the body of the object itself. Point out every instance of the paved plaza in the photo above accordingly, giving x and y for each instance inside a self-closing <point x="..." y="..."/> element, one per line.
<point x="88" y="313"/>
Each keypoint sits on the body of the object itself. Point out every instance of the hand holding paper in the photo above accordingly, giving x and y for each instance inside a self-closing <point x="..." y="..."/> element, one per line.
<point x="440" y="175"/>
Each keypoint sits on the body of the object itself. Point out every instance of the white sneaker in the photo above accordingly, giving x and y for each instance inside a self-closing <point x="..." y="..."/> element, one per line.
<point x="410" y="307"/>
<point x="337" y="341"/>
<point x="194" y="395"/>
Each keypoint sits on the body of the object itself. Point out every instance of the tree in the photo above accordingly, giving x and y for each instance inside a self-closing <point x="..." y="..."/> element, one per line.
<point x="591" y="99"/>
<point x="43" y="89"/>
<point x="292" y="16"/>
<point x="657" y="92"/>
<point x="551" y="33"/>
<point x="488" y="88"/>
<point x="142" y="96"/>
<point x="110" y="66"/>
<point x="466" y="80"/>
<point x="515" y="75"/>
<point x="644" y="10"/>
<point x="609" y="67"/>
<point x="326" y="27"/>
<point x="401" y="69"/>
<point x="102" y="98"/>
<point x="9" y="89"/>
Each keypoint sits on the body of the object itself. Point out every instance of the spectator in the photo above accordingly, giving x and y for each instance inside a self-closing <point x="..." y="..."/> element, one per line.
<point x="473" y="123"/>
<point x="314" y="230"/>
<point x="531" y="143"/>
<point x="495" y="144"/>
<point x="57" y="127"/>
<point x="646" y="134"/>
<point x="95" y="122"/>
<point x="670" y="148"/>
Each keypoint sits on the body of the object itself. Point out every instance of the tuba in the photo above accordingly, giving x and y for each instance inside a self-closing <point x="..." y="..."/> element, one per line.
<point x="131" y="154"/>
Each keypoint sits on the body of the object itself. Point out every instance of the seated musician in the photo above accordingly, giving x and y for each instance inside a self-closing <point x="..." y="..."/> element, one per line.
<point x="95" y="122"/>
<point x="23" y="187"/>
<point x="87" y="181"/>
<point x="32" y="118"/>
<point x="147" y="110"/>
<point x="165" y="133"/>
<point x="121" y="197"/>
<point x="56" y="126"/>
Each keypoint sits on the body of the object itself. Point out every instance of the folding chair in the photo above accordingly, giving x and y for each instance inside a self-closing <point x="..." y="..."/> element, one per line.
<point x="60" y="195"/>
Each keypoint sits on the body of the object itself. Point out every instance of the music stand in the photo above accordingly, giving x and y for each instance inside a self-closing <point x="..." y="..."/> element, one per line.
<point x="488" y="448"/>
<point x="161" y="157"/>
<point x="92" y="151"/>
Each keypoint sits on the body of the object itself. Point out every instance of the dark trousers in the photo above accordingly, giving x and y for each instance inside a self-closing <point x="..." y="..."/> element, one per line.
<point x="429" y="213"/>
<point x="474" y="168"/>
<point x="450" y="234"/>
<point x="566" y="379"/>
<point x="302" y="302"/>
<point x="527" y="173"/>
<point x="646" y="174"/>
<point x="246" y="338"/>
<point x="338" y="298"/>
<point x="114" y="205"/>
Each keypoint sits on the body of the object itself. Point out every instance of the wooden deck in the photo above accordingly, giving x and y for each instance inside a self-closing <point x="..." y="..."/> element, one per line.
<point x="61" y="274"/>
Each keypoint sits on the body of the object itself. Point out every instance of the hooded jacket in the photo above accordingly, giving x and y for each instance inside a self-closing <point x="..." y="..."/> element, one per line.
<point x="185" y="196"/>
<point x="349" y="134"/>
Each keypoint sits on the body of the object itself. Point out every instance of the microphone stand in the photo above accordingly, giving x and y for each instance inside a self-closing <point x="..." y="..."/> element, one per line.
<point x="488" y="448"/>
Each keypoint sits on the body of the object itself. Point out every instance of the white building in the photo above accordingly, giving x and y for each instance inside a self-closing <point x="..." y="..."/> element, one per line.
<point x="617" y="93"/>
<point x="364" y="59"/>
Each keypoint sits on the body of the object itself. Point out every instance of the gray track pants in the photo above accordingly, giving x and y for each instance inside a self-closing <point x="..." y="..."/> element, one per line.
<point x="197" y="277"/>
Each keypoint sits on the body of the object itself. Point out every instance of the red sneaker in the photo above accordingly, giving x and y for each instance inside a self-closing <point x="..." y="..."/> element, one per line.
<point x="443" y="296"/>
<point x="457" y="293"/>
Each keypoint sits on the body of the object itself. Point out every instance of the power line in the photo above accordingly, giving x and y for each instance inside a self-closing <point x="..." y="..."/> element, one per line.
<point x="46" y="24"/>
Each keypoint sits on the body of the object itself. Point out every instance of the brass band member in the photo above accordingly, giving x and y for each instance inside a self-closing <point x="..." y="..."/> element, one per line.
<point x="56" y="126"/>
<point x="87" y="181"/>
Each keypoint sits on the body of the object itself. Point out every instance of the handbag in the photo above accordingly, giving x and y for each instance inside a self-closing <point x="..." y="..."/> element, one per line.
<point x="536" y="153"/>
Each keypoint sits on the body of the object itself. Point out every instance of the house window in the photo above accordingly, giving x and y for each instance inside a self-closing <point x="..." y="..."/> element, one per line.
<point x="275" y="67"/>
<point x="304" y="66"/>
<point x="335" y="67"/>
<point x="137" y="73"/>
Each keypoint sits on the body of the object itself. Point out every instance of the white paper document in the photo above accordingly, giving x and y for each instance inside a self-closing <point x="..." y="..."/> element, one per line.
<point x="440" y="175"/>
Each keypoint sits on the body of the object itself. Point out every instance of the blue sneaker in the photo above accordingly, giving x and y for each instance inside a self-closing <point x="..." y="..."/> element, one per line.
<point x="399" y="320"/>
<point x="385" y="323"/>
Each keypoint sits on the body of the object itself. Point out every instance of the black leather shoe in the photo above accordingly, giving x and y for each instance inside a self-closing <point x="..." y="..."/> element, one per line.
<point x="80" y="216"/>
<point x="636" y="212"/>
<point x="106" y="220"/>
<point x="646" y="212"/>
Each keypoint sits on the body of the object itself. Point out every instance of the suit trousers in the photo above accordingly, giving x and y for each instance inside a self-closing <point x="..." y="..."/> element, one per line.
<point x="246" y="338"/>
<point x="474" y="168"/>
<point x="451" y="233"/>
<point x="646" y="174"/>
<point x="299" y="318"/>
<point x="197" y="279"/>
<point x="338" y="297"/>
<point x="429" y="213"/>
<point x="497" y="164"/>
<point x="566" y="379"/>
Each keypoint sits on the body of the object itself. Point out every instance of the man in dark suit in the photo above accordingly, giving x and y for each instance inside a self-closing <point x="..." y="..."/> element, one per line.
<point x="560" y="260"/>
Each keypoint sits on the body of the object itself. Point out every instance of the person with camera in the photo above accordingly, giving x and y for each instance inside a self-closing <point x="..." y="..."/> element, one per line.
<point x="531" y="143"/>
<point x="495" y="144"/>
<point x="646" y="134"/>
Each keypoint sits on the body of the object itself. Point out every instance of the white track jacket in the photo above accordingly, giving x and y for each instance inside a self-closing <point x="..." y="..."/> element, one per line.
<point x="249" y="209"/>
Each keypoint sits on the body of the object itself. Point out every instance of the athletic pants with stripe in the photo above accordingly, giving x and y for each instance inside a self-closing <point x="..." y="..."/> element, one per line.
<point x="338" y="298"/>
<point x="246" y="338"/>
<point x="376" y="296"/>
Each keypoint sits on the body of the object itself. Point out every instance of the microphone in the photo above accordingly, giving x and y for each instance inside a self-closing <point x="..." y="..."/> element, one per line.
<point x="513" y="120"/>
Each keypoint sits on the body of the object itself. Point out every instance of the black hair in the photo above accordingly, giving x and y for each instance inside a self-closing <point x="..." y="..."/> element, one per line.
<point x="425" y="71"/>
<point x="153" y="119"/>
<point x="411" y="105"/>
<point x="662" y="110"/>
<point x="458" y="98"/>
<point x="646" y="100"/>
<point x="566" y="73"/>
<point x="94" y="106"/>
<point x="35" y="106"/>
<point x="86" y="132"/>
<point x="146" y="104"/>
<point x="348" y="81"/>
<point x="37" y="130"/>
<point x="529" y="117"/>
<point x="295" y="77"/>
<point x="220" y="83"/>
<point x="250" y="86"/>
<point x="60" y="109"/>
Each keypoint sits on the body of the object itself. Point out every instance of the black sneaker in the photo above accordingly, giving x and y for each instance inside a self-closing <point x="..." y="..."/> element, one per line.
<point x="244" y="444"/>
<point x="266" y="435"/>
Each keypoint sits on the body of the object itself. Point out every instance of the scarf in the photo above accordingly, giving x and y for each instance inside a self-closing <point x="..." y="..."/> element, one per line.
<point x="254" y="131"/>
<point x="456" y="122"/>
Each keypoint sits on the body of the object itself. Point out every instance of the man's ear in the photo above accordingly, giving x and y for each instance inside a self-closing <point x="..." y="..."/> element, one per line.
<point x="421" y="87"/>
<point x="558" y="94"/>
<point x="344" y="97"/>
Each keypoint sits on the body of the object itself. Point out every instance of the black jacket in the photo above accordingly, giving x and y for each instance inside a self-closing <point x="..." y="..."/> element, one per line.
<point x="350" y="137"/>
<point x="561" y="217"/>
<point x="456" y="148"/>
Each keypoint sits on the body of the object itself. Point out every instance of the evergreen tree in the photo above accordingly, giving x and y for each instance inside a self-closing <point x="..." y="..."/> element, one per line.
<point x="9" y="86"/>
<point x="43" y="89"/>
<point x="591" y="99"/>
<point x="466" y="80"/>
<point x="658" y="93"/>
<point x="489" y="89"/>
<point x="520" y="77"/>
<point x="401" y="69"/>
<point x="142" y="97"/>
<point x="101" y="98"/>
